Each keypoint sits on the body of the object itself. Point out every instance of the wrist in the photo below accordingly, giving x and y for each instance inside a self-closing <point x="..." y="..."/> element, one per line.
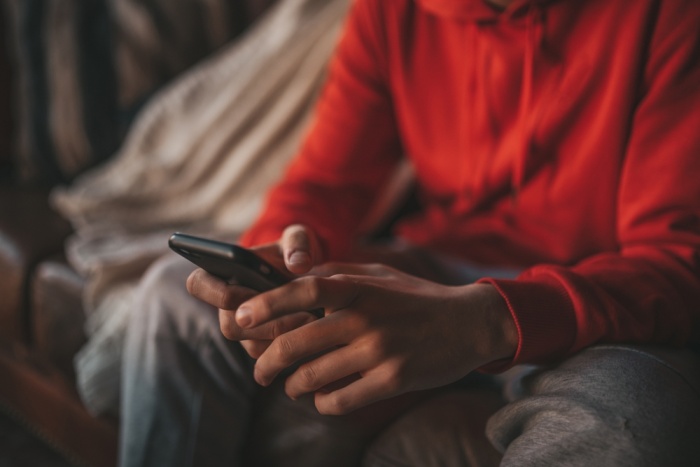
<point x="500" y="333"/>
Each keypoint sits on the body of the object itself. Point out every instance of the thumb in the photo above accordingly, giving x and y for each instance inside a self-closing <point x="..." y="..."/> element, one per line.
<point x="300" y="248"/>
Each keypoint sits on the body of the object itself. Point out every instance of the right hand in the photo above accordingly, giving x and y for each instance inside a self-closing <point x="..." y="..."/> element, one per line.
<point x="296" y="252"/>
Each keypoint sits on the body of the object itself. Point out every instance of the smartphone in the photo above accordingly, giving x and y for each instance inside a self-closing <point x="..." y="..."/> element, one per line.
<point x="232" y="263"/>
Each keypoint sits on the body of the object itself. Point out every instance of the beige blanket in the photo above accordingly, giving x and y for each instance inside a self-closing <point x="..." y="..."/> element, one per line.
<point x="199" y="159"/>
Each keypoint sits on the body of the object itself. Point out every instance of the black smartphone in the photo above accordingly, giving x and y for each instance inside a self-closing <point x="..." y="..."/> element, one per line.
<point x="232" y="263"/>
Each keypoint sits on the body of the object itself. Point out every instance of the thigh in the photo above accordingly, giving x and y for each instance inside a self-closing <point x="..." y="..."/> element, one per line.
<point x="606" y="406"/>
<point x="292" y="433"/>
<point x="186" y="390"/>
<point x="445" y="430"/>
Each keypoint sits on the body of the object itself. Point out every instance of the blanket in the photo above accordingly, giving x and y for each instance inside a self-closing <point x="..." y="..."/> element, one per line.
<point x="199" y="158"/>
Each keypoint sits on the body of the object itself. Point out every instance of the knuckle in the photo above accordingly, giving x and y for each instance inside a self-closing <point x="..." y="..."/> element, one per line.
<point x="341" y="277"/>
<point x="277" y="328"/>
<point x="308" y="377"/>
<point x="394" y="379"/>
<point x="393" y="382"/>
<point x="312" y="287"/>
<point x="334" y="404"/>
<point x="227" y="325"/>
<point x="263" y="306"/>
<point x="230" y="298"/>
<point x="376" y="343"/>
<point x="379" y="270"/>
<point x="254" y="348"/>
<point x="284" y="349"/>
<point x="200" y="285"/>
<point x="193" y="281"/>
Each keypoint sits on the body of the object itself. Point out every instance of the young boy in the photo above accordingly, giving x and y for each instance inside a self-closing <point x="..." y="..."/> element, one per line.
<point x="556" y="137"/>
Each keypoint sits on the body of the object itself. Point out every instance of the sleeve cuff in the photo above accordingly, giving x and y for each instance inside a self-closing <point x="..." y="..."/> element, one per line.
<point x="544" y="318"/>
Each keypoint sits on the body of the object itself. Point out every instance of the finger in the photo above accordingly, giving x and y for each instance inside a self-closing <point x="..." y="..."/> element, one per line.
<point x="289" y="348"/>
<point x="272" y="253"/>
<point x="215" y="291"/>
<point x="267" y="331"/>
<point x="306" y="293"/>
<point x="372" y="387"/>
<point x="300" y="249"/>
<point x="352" y="269"/>
<point x="255" y="348"/>
<point x="324" y="371"/>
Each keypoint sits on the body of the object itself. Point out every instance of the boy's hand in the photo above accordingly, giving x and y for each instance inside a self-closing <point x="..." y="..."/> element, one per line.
<point x="385" y="333"/>
<point x="297" y="251"/>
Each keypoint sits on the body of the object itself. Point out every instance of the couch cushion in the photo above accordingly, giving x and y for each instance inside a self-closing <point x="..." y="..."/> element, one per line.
<point x="57" y="313"/>
<point x="29" y="231"/>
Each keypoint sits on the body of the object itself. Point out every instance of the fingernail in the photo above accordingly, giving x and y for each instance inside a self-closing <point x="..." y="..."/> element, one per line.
<point x="299" y="257"/>
<point x="244" y="316"/>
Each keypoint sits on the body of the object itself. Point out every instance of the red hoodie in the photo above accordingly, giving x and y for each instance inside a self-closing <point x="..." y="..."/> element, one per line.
<point x="560" y="136"/>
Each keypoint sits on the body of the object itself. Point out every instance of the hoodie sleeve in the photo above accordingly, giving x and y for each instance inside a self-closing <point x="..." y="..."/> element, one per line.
<point x="350" y="150"/>
<point x="649" y="290"/>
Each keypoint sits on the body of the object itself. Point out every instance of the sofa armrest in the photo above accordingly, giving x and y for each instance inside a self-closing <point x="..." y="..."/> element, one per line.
<point x="58" y="320"/>
<point x="29" y="231"/>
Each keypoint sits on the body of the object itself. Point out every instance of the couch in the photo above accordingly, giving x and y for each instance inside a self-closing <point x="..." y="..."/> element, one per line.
<point x="40" y="312"/>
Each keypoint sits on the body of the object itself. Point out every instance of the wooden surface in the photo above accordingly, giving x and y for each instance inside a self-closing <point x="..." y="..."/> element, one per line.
<point x="37" y="394"/>
<point x="20" y="448"/>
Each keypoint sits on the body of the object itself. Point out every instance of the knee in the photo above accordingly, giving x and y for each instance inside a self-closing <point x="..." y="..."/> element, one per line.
<point x="161" y="302"/>
<point x="608" y="405"/>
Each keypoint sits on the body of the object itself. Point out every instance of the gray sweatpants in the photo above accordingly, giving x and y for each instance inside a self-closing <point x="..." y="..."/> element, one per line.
<point x="187" y="400"/>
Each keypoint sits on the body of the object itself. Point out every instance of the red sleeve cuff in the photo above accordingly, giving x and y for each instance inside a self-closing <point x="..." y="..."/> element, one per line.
<point x="544" y="318"/>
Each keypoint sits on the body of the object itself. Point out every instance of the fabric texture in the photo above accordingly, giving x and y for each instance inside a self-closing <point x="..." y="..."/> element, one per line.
<point x="186" y="390"/>
<point x="199" y="158"/>
<point x="545" y="149"/>
<point x="189" y="399"/>
<point x="608" y="406"/>
<point x="84" y="69"/>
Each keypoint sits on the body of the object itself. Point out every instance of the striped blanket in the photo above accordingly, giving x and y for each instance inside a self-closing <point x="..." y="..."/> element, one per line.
<point x="86" y="67"/>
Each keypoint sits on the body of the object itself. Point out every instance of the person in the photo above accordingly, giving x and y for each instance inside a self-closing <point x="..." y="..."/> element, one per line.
<point x="556" y="138"/>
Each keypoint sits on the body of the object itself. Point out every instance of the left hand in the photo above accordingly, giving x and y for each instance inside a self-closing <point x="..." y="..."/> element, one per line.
<point x="295" y="253"/>
<point x="394" y="332"/>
